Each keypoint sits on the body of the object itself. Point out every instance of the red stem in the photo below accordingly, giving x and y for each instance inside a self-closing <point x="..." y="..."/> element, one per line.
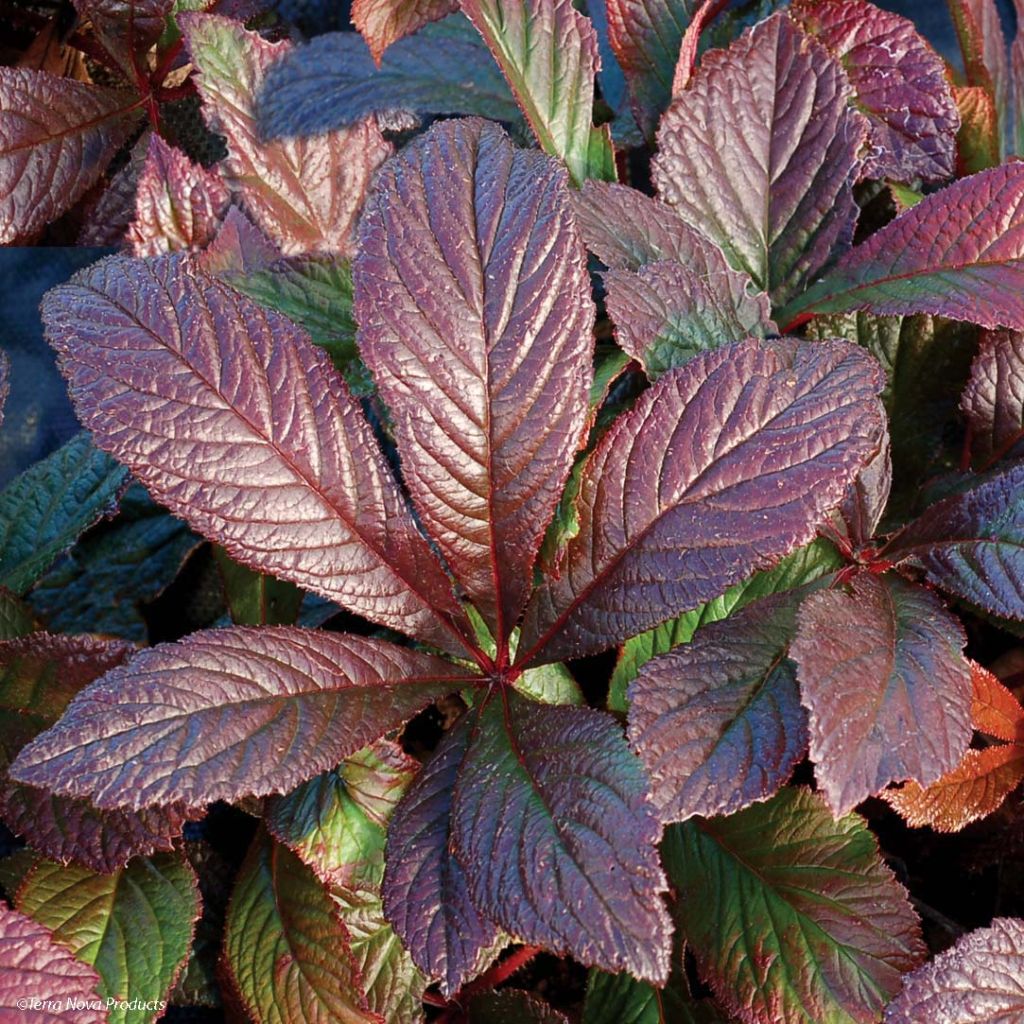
<point x="797" y="322"/>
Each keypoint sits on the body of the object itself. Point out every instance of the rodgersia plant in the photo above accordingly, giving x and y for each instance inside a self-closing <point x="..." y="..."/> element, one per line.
<point x="391" y="398"/>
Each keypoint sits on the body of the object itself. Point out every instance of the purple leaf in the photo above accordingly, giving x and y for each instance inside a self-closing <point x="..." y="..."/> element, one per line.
<point x="729" y="463"/>
<point x="862" y="508"/>
<point x="56" y="138"/>
<point x="552" y="826"/>
<point x="479" y="338"/>
<point x="717" y="722"/>
<point x="383" y="22"/>
<point x="239" y="248"/>
<point x="900" y="84"/>
<point x="958" y="253"/>
<point x="983" y="46"/>
<point x="5" y="382"/>
<point x="229" y="713"/>
<point x="886" y="685"/>
<point x="126" y="29"/>
<point x="425" y="894"/>
<point x="761" y="153"/>
<point x="993" y="401"/>
<point x="977" y="981"/>
<point x="235" y="421"/>
<point x="108" y="217"/>
<point x="178" y="204"/>
<point x="972" y="544"/>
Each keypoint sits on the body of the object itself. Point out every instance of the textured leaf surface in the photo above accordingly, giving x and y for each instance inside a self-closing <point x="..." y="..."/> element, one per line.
<point x="231" y="712"/>
<point x="978" y="981"/>
<point x="445" y="68"/>
<point x="761" y="152"/>
<point x="56" y="138"/>
<point x="178" y="204"/>
<point x="552" y="825"/>
<point x="305" y="193"/>
<point x="134" y="925"/>
<point x="886" y="686"/>
<point x="718" y="722"/>
<point x="793" y="917"/>
<point x="972" y="543"/>
<point x="978" y="139"/>
<point x="958" y="253"/>
<point x="173" y="370"/>
<point x="548" y="53"/>
<point x="425" y="893"/>
<point x="43" y="511"/>
<point x="33" y="966"/>
<point x="899" y="82"/>
<point x="993" y="402"/>
<point x="383" y="22"/>
<point x="776" y="428"/>
<point x="994" y="709"/>
<point x="478" y="336"/>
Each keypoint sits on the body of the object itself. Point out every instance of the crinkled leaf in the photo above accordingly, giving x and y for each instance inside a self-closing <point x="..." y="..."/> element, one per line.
<point x="793" y="917"/>
<point x="43" y="511"/>
<point x="548" y="53"/>
<point x="178" y="204"/>
<point x="993" y="402"/>
<point x="173" y="370"/>
<point x="239" y="247"/>
<point x="777" y="429"/>
<point x="887" y="688"/>
<point x="977" y="141"/>
<point x="982" y="46"/>
<point x="425" y="893"/>
<point x="331" y="82"/>
<point x="34" y="967"/>
<point x="761" y="152"/>
<point x="56" y="138"/>
<point x="511" y="1006"/>
<point x="959" y="253"/>
<point x="995" y="711"/>
<point x="133" y="925"/>
<point x="478" y="336"/>
<point x="972" y="543"/>
<point x="305" y="193"/>
<point x="900" y="84"/>
<point x="718" y="722"/>
<point x="383" y="22"/>
<point x="552" y="826"/>
<point x="978" y="981"/>
<point x="285" y="944"/>
<point x="231" y="712"/>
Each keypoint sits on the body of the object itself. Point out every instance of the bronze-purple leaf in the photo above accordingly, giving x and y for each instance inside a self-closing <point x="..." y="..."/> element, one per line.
<point x="993" y="401"/>
<point x="383" y="22"/>
<point x="126" y="29"/>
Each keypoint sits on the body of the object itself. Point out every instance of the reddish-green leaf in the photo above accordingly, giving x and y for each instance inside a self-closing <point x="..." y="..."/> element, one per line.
<point x="552" y="826"/>
<point x="993" y="401"/>
<point x="977" y="141"/>
<point x="995" y="711"/>
<point x="886" y="686"/>
<point x="235" y="421"/>
<point x="761" y="152"/>
<point x="383" y="22"/>
<point x="729" y="463"/>
<point x="56" y="138"/>
<point x="478" y="334"/>
<point x="793" y="917"/>
<point x="978" y="981"/>
<point x="983" y="46"/>
<point x="231" y="712"/>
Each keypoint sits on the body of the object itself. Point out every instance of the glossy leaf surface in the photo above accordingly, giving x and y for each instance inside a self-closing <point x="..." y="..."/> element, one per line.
<point x="994" y="710"/>
<point x="383" y="22"/>
<point x="993" y="402"/>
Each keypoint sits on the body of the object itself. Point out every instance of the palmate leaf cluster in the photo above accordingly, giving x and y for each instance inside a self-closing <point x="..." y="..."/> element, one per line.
<point x="357" y="354"/>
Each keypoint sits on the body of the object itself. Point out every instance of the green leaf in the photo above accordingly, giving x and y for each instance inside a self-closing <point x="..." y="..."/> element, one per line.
<point x="133" y="925"/>
<point x="803" y="566"/>
<point x="621" y="999"/>
<point x="46" y="508"/>
<point x="15" y="617"/>
<point x="793" y="917"/>
<point x="254" y="599"/>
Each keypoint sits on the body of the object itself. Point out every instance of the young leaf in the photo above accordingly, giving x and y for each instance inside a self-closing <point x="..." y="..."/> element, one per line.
<point x="552" y="826"/>
<point x="977" y="141"/>
<point x="178" y="204"/>
<point x="718" y="722"/>
<point x="862" y="508"/>
<point x="43" y="511"/>
<point x="886" y="686"/>
<point x="831" y="927"/>
<point x="958" y="253"/>
<point x="548" y="53"/>
<point x="305" y="194"/>
<point x="425" y="893"/>
<point x="383" y="22"/>
<point x="56" y="138"/>
<point x="331" y="82"/>
<point x="899" y="82"/>
<point x="995" y="711"/>
<point x="993" y="401"/>
<point x="229" y="713"/>
<point x="133" y="925"/>
<point x="265" y="451"/>
<point x="34" y="967"/>
<point x="977" y="981"/>
<point x="761" y="152"/>
<point x="983" y="46"/>
<point x="694" y="455"/>
<point x="497" y="281"/>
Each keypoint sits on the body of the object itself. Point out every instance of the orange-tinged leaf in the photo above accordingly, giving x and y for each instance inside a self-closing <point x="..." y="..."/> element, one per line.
<point x="995" y="710"/>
